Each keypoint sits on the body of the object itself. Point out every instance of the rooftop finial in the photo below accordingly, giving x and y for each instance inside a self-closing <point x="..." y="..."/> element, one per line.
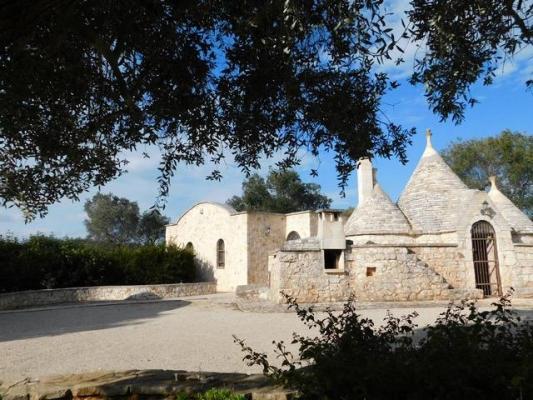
<point x="429" y="147"/>
<point x="493" y="186"/>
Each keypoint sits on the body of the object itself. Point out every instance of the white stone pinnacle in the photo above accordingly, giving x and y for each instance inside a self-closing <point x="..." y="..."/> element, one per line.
<point x="429" y="150"/>
<point x="493" y="186"/>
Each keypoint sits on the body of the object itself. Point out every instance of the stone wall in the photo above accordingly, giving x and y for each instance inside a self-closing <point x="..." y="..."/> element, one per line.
<point x="393" y="274"/>
<point x="266" y="233"/>
<point x="523" y="270"/>
<point x="300" y="274"/>
<point x="33" y="298"/>
<point x="372" y="273"/>
<point x="447" y="261"/>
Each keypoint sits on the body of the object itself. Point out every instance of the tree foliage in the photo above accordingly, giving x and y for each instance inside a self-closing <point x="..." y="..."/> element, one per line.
<point x="111" y="219"/>
<point x="151" y="228"/>
<point x="42" y="262"/>
<point x="116" y="219"/>
<point x="463" y="42"/>
<point x="508" y="156"/>
<point x="465" y="354"/>
<point x="283" y="191"/>
<point x="84" y="82"/>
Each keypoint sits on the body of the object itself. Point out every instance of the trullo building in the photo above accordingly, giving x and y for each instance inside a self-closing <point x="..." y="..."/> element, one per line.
<point x="441" y="240"/>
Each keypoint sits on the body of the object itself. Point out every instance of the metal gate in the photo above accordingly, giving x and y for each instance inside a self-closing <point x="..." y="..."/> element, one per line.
<point x="485" y="258"/>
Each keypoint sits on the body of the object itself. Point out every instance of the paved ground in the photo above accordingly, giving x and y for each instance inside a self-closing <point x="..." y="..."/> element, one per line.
<point x="190" y="333"/>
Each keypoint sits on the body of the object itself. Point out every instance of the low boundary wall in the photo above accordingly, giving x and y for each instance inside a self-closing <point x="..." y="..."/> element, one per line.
<point x="32" y="298"/>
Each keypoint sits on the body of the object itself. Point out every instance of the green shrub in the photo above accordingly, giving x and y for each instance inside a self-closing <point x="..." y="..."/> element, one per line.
<point x="466" y="354"/>
<point x="45" y="262"/>
<point x="219" y="394"/>
<point x="211" y="394"/>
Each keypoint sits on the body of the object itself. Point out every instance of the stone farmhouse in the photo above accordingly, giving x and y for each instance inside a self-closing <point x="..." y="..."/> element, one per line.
<point x="441" y="240"/>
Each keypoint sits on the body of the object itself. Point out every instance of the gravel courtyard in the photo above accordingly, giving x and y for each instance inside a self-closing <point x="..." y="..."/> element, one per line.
<point x="190" y="334"/>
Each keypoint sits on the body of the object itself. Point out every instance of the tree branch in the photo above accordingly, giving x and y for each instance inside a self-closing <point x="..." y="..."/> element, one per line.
<point x="527" y="33"/>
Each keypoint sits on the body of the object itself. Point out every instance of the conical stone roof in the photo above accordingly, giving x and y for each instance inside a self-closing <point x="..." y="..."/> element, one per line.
<point x="376" y="215"/>
<point x="512" y="214"/>
<point x="431" y="200"/>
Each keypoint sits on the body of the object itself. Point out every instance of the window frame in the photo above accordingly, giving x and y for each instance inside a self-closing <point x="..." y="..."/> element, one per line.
<point x="221" y="254"/>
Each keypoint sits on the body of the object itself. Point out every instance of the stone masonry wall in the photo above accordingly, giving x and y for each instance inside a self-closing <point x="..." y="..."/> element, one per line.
<point x="393" y="274"/>
<point x="522" y="266"/>
<point x="373" y="273"/>
<point x="266" y="233"/>
<point x="300" y="274"/>
<point x="32" y="298"/>
<point x="447" y="261"/>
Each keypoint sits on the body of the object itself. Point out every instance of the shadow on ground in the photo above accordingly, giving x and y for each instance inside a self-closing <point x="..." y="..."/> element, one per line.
<point x="16" y="325"/>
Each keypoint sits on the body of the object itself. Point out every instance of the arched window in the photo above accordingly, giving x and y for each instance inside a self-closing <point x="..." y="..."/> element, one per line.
<point x="221" y="254"/>
<point x="190" y="247"/>
<point x="293" y="235"/>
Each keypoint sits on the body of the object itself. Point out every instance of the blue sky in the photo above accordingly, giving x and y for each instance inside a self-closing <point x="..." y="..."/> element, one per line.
<point x="504" y="105"/>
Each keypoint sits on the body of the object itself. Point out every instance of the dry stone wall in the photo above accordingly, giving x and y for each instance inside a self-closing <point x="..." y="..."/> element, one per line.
<point x="447" y="261"/>
<point x="523" y="270"/>
<point x="300" y="274"/>
<point x="32" y="298"/>
<point x="393" y="274"/>
<point x="372" y="273"/>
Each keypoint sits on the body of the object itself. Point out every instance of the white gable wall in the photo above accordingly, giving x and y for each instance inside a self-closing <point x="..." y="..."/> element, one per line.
<point x="203" y="225"/>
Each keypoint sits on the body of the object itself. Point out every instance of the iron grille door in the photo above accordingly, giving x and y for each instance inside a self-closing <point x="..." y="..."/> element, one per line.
<point x="485" y="259"/>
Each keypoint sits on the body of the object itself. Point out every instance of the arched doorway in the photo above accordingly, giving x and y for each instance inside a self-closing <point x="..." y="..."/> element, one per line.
<point x="293" y="235"/>
<point x="485" y="258"/>
<point x="190" y="247"/>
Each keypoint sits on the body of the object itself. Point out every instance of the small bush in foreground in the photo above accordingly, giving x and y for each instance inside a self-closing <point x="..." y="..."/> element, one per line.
<point x="466" y="354"/>
<point x="212" y="394"/>
<point x="43" y="262"/>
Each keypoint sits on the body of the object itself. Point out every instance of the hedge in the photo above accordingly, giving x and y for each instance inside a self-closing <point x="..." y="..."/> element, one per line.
<point x="44" y="262"/>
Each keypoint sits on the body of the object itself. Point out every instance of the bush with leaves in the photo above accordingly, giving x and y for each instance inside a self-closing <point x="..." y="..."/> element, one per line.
<point x="43" y="262"/>
<point x="212" y="394"/>
<point x="466" y="354"/>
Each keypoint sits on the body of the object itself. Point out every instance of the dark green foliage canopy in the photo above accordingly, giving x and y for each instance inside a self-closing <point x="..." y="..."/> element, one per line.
<point x="43" y="262"/>
<point x="283" y="191"/>
<point x="508" y="156"/>
<point x="115" y="219"/>
<point x="82" y="82"/>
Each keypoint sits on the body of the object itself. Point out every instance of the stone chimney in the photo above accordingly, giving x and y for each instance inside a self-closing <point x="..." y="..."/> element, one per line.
<point x="365" y="180"/>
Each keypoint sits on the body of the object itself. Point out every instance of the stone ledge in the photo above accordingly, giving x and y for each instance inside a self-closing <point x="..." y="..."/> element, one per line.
<point x="33" y="298"/>
<point x="135" y="384"/>
<point x="374" y="245"/>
